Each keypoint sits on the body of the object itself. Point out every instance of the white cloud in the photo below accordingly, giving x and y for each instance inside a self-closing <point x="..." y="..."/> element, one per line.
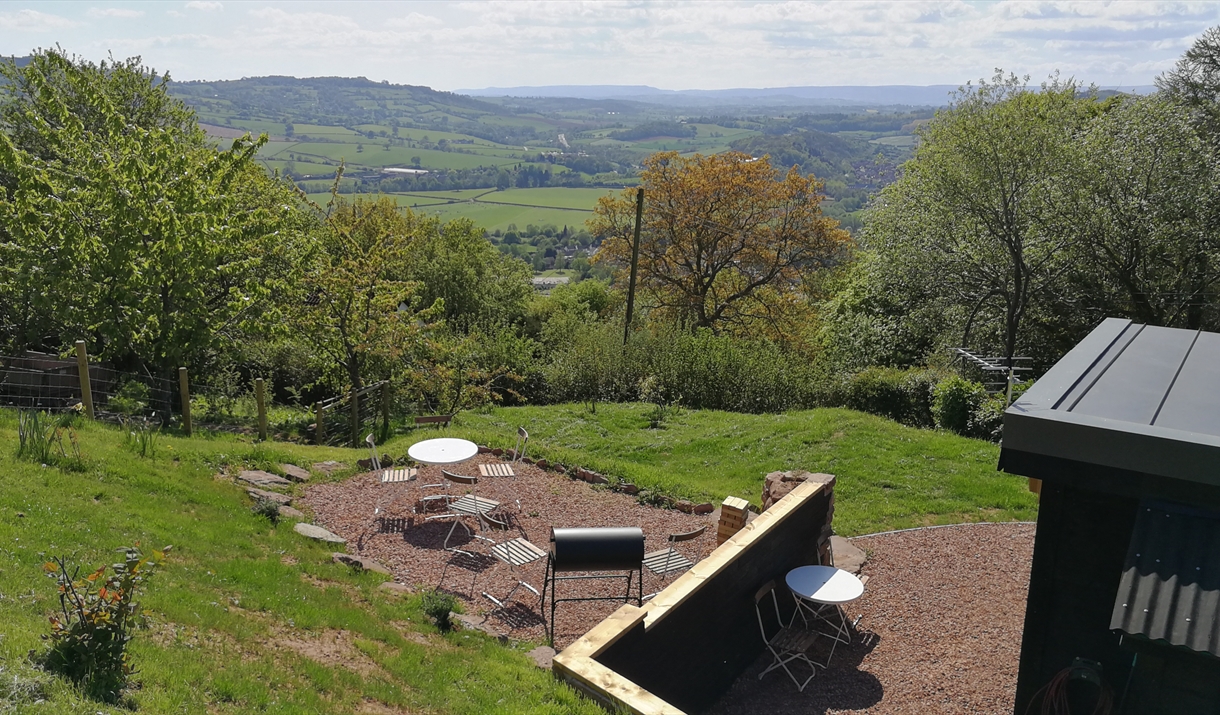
<point x="98" y="13"/>
<point x="34" y="21"/>
<point x="413" y="21"/>
<point x="205" y="5"/>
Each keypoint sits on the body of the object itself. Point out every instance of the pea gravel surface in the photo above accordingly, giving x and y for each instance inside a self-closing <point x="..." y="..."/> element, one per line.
<point x="535" y="500"/>
<point x="939" y="630"/>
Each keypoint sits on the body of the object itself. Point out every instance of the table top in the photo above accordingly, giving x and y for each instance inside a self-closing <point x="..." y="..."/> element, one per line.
<point x="445" y="450"/>
<point x="824" y="584"/>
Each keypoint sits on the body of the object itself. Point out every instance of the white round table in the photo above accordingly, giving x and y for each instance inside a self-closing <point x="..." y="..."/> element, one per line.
<point x="824" y="584"/>
<point x="445" y="450"/>
<point x="820" y="593"/>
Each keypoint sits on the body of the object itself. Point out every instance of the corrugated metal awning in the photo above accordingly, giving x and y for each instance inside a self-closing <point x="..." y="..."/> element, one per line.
<point x="1170" y="588"/>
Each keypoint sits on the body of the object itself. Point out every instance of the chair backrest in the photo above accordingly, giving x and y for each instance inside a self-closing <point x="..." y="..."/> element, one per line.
<point x="492" y="522"/>
<point x="440" y="420"/>
<point x="373" y="450"/>
<point x="687" y="536"/>
<point x="523" y="439"/>
<point x="767" y="588"/>
<point x="460" y="479"/>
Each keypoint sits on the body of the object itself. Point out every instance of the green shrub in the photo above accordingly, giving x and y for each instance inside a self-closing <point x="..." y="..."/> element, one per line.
<point x="131" y="399"/>
<point x="438" y="606"/>
<point x="902" y="395"/>
<point x="267" y="509"/>
<point x="955" y="402"/>
<point x="90" y="633"/>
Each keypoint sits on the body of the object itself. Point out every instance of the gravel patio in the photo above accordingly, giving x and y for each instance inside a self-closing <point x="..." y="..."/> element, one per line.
<point x="941" y="616"/>
<point x="940" y="632"/>
<point x="411" y="547"/>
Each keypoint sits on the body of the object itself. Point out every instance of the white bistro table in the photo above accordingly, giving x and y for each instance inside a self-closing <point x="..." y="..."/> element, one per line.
<point x="442" y="451"/>
<point x="820" y="593"/>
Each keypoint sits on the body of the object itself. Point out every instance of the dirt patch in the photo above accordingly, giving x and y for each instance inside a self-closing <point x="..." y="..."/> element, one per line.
<point x="939" y="632"/>
<point x="374" y="707"/>
<point x="411" y="546"/>
<point x="330" y="648"/>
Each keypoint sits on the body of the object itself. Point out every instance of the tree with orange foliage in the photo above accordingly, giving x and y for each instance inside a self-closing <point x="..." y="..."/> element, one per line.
<point x="726" y="241"/>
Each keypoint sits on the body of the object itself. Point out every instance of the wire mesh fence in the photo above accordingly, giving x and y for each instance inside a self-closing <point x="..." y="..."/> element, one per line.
<point x="51" y="383"/>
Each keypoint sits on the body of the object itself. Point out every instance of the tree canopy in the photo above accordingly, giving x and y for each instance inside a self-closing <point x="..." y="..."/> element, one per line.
<point x="726" y="240"/>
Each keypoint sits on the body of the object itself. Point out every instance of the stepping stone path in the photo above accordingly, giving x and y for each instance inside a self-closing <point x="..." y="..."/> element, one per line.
<point x="399" y="589"/>
<point x="281" y="499"/>
<point x="328" y="467"/>
<point x="542" y="656"/>
<point x="313" y="531"/>
<point x="259" y="478"/>
<point x="287" y="512"/>
<point x="359" y="562"/>
<point x="295" y="473"/>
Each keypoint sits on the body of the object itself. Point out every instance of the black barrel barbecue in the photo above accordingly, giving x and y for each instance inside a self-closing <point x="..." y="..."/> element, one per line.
<point x="585" y="550"/>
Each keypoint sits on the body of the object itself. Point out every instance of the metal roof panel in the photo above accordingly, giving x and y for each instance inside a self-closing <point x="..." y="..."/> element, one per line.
<point x="1135" y="383"/>
<point x="1170" y="587"/>
<point x="1194" y="402"/>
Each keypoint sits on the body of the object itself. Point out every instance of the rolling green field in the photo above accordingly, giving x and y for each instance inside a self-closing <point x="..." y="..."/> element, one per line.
<point x="551" y="197"/>
<point x="491" y="209"/>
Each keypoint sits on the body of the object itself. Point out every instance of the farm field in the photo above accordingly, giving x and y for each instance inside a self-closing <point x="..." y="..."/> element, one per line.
<point x="491" y="209"/>
<point x="498" y="216"/>
<point x="553" y="197"/>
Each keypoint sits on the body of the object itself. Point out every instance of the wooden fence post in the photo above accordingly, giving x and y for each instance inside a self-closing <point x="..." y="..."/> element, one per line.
<point x="319" y="430"/>
<point x="184" y="388"/>
<point x="355" y="418"/>
<point x="385" y="408"/>
<point x="82" y="369"/>
<point x="260" y="396"/>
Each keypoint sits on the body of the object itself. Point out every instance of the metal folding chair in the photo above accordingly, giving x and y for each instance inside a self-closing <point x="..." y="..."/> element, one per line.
<point x="785" y="643"/>
<point x="458" y="508"/>
<point x="506" y="470"/>
<point x="671" y="561"/>
<point x="515" y="552"/>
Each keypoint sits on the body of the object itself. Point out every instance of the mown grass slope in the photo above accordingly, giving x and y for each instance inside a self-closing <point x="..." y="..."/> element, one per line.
<point x="246" y="617"/>
<point x="889" y="476"/>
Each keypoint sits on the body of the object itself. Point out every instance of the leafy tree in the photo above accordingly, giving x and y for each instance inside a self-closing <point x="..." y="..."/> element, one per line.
<point x="455" y="264"/>
<point x="973" y="215"/>
<point x="356" y="303"/>
<point x="121" y="224"/>
<point x="1195" y="82"/>
<point x="1142" y="213"/>
<point x="726" y="240"/>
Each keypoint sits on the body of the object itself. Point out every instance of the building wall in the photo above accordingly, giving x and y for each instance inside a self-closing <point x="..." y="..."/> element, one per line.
<point x="1085" y="522"/>
<point x="1078" y="561"/>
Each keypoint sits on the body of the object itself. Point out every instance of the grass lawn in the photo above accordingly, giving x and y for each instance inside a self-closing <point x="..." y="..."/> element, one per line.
<point x="238" y="601"/>
<point x="889" y="476"/>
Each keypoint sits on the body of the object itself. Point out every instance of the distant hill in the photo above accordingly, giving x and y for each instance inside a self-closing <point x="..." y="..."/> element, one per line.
<point x="936" y="95"/>
<point x="933" y="96"/>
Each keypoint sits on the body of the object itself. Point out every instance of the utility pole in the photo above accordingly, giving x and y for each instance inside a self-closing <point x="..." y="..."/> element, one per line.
<point x="635" y="260"/>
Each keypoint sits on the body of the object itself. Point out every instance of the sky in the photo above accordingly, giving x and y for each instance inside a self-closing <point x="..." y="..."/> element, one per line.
<point x="670" y="45"/>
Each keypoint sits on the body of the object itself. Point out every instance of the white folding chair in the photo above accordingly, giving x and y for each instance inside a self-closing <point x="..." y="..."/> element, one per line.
<point x="671" y="561"/>
<point x="785" y="643"/>
<point x="459" y="508"/>
<point x="523" y="439"/>
<point x="515" y="552"/>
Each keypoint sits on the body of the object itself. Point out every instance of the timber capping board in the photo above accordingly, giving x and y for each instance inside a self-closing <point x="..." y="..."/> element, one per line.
<point x="576" y="664"/>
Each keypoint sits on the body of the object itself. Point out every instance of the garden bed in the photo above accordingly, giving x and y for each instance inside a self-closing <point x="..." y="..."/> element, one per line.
<point x="411" y="548"/>
<point x="943" y="613"/>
